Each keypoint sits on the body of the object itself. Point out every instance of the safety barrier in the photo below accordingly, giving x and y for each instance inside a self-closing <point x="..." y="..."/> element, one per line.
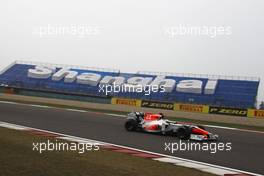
<point x="228" y="111"/>
<point x="256" y="113"/>
<point x="125" y="101"/>
<point x="1" y="90"/>
<point x="157" y="105"/>
<point x="9" y="90"/>
<point x="56" y="95"/>
<point x="195" y="108"/>
<point x="191" y="108"/>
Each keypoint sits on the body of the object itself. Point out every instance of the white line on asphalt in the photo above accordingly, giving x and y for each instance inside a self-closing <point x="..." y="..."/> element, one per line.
<point x="12" y="126"/>
<point x="75" y="110"/>
<point x="40" y="106"/>
<point x="217" y="171"/>
<point x="9" y="102"/>
<point x="221" y="127"/>
<point x="169" y="160"/>
<point x="80" y="140"/>
<point x="192" y="165"/>
<point x="117" y="115"/>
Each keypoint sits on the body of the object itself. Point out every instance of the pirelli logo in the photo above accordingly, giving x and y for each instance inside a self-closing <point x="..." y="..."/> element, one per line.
<point x="228" y="111"/>
<point x="259" y="113"/>
<point x="191" y="108"/>
<point x="123" y="101"/>
<point x="157" y="105"/>
<point x="126" y="102"/>
<point x="255" y="113"/>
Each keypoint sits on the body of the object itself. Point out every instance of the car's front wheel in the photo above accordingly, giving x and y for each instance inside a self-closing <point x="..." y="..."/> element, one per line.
<point x="183" y="134"/>
<point x="131" y="125"/>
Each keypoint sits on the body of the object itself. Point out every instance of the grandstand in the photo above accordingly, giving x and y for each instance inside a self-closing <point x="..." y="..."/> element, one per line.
<point x="230" y="91"/>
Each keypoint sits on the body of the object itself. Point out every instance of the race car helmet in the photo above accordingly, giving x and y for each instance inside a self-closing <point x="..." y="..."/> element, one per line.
<point x="142" y="114"/>
<point x="161" y="115"/>
<point x="137" y="114"/>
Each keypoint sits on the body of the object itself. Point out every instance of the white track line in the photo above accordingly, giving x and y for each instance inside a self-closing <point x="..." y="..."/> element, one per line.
<point x="206" y="167"/>
<point x="40" y="106"/>
<point x="221" y="127"/>
<point x="75" y="110"/>
<point x="80" y="140"/>
<point x="117" y="115"/>
<point x="12" y="126"/>
<point x="169" y="160"/>
<point x="9" y="102"/>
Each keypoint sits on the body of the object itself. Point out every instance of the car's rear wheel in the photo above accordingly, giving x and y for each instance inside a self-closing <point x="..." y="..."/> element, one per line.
<point x="183" y="134"/>
<point x="131" y="125"/>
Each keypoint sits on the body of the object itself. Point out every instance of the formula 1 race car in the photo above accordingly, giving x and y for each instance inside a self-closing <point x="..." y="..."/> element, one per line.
<point x="155" y="123"/>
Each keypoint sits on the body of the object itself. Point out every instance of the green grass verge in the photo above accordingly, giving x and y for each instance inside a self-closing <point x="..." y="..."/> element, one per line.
<point x="180" y="119"/>
<point x="18" y="158"/>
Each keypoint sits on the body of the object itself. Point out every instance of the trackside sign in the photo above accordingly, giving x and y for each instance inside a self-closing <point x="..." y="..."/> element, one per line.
<point x="157" y="105"/>
<point x="228" y="111"/>
<point x="160" y="83"/>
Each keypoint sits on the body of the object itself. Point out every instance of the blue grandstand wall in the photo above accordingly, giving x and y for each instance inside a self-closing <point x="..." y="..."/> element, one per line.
<point x="83" y="81"/>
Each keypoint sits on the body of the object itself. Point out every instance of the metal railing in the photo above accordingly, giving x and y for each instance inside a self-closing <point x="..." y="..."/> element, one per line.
<point x="210" y="76"/>
<point x="67" y="66"/>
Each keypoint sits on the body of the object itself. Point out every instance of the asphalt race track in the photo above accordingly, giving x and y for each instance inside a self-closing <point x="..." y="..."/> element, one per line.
<point x="247" y="147"/>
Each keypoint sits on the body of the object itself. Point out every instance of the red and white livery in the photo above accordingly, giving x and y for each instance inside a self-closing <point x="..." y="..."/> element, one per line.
<point x="155" y="123"/>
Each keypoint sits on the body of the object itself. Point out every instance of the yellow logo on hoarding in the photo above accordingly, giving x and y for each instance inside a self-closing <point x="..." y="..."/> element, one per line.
<point x="191" y="108"/>
<point x="259" y="113"/>
<point x="124" y="101"/>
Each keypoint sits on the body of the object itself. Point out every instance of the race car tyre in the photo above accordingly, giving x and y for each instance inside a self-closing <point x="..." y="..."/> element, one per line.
<point x="131" y="125"/>
<point x="183" y="134"/>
